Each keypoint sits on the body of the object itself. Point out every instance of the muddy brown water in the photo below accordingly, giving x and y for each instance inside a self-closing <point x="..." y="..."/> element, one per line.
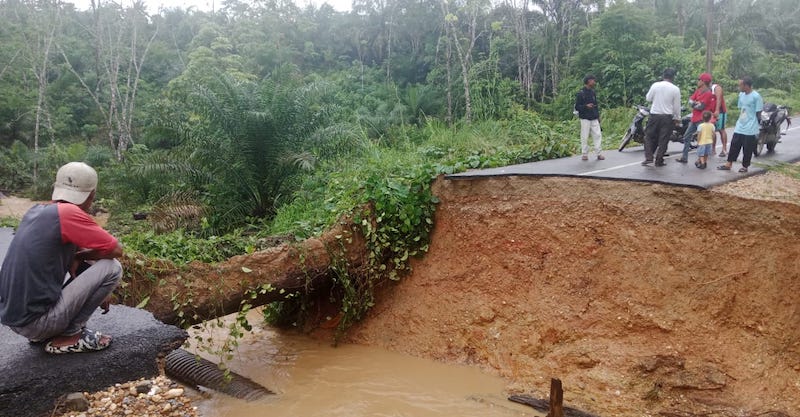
<point x="312" y="378"/>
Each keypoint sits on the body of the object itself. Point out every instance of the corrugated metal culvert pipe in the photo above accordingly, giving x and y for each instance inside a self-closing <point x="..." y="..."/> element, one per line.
<point x="195" y="371"/>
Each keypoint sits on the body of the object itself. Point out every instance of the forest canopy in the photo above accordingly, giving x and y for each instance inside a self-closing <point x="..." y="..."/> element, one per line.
<point x="235" y="116"/>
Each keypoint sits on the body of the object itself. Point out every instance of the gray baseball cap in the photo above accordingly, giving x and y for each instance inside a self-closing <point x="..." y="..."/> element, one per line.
<point x="74" y="182"/>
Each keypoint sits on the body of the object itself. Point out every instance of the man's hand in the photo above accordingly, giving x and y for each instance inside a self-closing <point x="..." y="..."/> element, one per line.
<point x="80" y="256"/>
<point x="86" y="254"/>
<point x="590" y="105"/>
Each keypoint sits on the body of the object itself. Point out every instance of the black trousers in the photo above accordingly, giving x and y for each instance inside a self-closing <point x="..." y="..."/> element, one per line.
<point x="746" y="144"/>
<point x="659" y="128"/>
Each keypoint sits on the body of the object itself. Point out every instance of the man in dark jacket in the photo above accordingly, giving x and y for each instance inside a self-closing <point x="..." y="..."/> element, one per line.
<point x="589" y="113"/>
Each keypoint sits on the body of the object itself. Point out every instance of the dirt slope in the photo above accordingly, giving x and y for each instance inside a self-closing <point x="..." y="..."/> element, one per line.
<point x="644" y="299"/>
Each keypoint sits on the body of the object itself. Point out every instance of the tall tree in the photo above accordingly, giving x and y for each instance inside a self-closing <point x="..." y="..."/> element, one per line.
<point x="121" y="42"/>
<point x="463" y="27"/>
<point x="44" y="20"/>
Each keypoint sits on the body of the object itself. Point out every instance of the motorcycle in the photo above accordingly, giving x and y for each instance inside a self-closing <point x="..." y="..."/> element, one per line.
<point x="771" y="127"/>
<point x="636" y="131"/>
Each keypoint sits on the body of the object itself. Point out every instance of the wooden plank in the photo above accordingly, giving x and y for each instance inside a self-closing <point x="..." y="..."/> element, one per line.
<point x="556" y="399"/>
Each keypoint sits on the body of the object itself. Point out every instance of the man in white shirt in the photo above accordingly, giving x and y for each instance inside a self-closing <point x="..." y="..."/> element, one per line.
<point x="665" y="113"/>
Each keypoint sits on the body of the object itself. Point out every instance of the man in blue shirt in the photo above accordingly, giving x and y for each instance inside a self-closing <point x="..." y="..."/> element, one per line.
<point x="746" y="131"/>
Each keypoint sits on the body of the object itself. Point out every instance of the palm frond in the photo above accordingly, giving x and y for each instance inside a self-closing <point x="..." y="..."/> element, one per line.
<point x="177" y="210"/>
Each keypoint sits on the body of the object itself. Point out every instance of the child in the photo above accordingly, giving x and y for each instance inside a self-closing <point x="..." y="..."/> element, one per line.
<point x="705" y="136"/>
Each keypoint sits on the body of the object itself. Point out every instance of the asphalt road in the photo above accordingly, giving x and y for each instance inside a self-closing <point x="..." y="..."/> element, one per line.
<point x="6" y="233"/>
<point x="626" y="165"/>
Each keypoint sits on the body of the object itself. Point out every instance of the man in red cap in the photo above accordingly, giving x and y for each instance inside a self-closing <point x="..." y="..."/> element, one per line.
<point x="701" y="100"/>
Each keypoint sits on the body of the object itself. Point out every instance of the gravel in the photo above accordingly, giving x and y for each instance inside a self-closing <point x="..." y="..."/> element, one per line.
<point x="771" y="186"/>
<point x="158" y="397"/>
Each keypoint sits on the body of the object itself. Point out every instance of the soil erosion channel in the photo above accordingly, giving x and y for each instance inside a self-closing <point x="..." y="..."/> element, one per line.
<point x="643" y="299"/>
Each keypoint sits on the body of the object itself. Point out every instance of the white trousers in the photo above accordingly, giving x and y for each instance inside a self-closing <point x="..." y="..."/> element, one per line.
<point x="593" y="127"/>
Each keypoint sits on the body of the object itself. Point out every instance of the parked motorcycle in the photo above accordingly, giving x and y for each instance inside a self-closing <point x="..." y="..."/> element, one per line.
<point x="636" y="131"/>
<point x="772" y="120"/>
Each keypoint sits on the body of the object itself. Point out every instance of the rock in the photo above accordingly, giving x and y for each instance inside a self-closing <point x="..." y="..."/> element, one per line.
<point x="143" y="387"/>
<point x="76" y="402"/>
<point x="173" y="393"/>
<point x="154" y="390"/>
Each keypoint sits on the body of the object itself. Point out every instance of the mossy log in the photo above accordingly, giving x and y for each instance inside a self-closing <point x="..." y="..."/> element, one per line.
<point x="189" y="294"/>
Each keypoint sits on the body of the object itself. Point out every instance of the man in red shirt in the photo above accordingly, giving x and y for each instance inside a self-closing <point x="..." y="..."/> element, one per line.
<point x="701" y="100"/>
<point x="48" y="290"/>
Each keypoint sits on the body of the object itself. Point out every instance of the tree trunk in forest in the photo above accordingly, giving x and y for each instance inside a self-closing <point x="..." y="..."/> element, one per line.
<point x="449" y="80"/>
<point x="448" y="66"/>
<point x="464" y="52"/>
<point x="524" y="72"/>
<point x="682" y="18"/>
<point x="709" y="35"/>
<point x="41" y="45"/>
<point x="118" y="103"/>
<point x="197" y="292"/>
<point x="97" y="69"/>
<point x="389" y="34"/>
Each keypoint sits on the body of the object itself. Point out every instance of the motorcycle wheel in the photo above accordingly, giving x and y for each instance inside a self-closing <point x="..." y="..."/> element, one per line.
<point x="762" y="138"/>
<point x="625" y="140"/>
<point x="771" y="146"/>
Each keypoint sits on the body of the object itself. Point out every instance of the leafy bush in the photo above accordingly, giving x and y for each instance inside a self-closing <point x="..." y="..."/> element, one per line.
<point x="9" y="222"/>
<point x="181" y="247"/>
<point x="16" y="166"/>
<point x="386" y="190"/>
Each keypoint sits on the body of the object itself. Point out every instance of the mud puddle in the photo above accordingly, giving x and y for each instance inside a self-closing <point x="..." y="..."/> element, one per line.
<point x="313" y="378"/>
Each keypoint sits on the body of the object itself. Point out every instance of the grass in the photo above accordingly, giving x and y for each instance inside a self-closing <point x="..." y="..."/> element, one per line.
<point x="9" y="221"/>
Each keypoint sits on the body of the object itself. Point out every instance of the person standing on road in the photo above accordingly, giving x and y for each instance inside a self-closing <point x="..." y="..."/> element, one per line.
<point x="589" y="114"/>
<point x="701" y="100"/>
<point x="665" y="113"/>
<point x="705" y="133"/>
<point x="721" y="114"/>
<point x="47" y="291"/>
<point x="744" y="134"/>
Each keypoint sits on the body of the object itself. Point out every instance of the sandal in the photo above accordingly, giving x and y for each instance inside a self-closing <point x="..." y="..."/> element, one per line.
<point x="743" y="169"/>
<point x="89" y="340"/>
<point x="724" y="168"/>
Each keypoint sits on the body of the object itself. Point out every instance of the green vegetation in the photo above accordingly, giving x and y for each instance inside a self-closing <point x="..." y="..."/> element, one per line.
<point x="791" y="170"/>
<point x="263" y="122"/>
<point x="9" y="222"/>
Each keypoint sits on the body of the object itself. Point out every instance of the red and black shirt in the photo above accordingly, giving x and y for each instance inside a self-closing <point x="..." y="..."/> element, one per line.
<point x="39" y="257"/>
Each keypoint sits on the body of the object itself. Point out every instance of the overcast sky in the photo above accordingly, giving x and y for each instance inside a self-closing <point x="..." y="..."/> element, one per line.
<point x="205" y="5"/>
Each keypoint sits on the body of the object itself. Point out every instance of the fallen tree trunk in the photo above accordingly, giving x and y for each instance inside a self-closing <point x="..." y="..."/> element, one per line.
<point x="185" y="295"/>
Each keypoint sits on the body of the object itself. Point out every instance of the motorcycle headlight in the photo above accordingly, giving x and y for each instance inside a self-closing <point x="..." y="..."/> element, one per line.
<point x="765" y="116"/>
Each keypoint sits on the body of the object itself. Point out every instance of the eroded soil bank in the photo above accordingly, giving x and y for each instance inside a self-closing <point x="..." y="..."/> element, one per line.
<point x="643" y="299"/>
